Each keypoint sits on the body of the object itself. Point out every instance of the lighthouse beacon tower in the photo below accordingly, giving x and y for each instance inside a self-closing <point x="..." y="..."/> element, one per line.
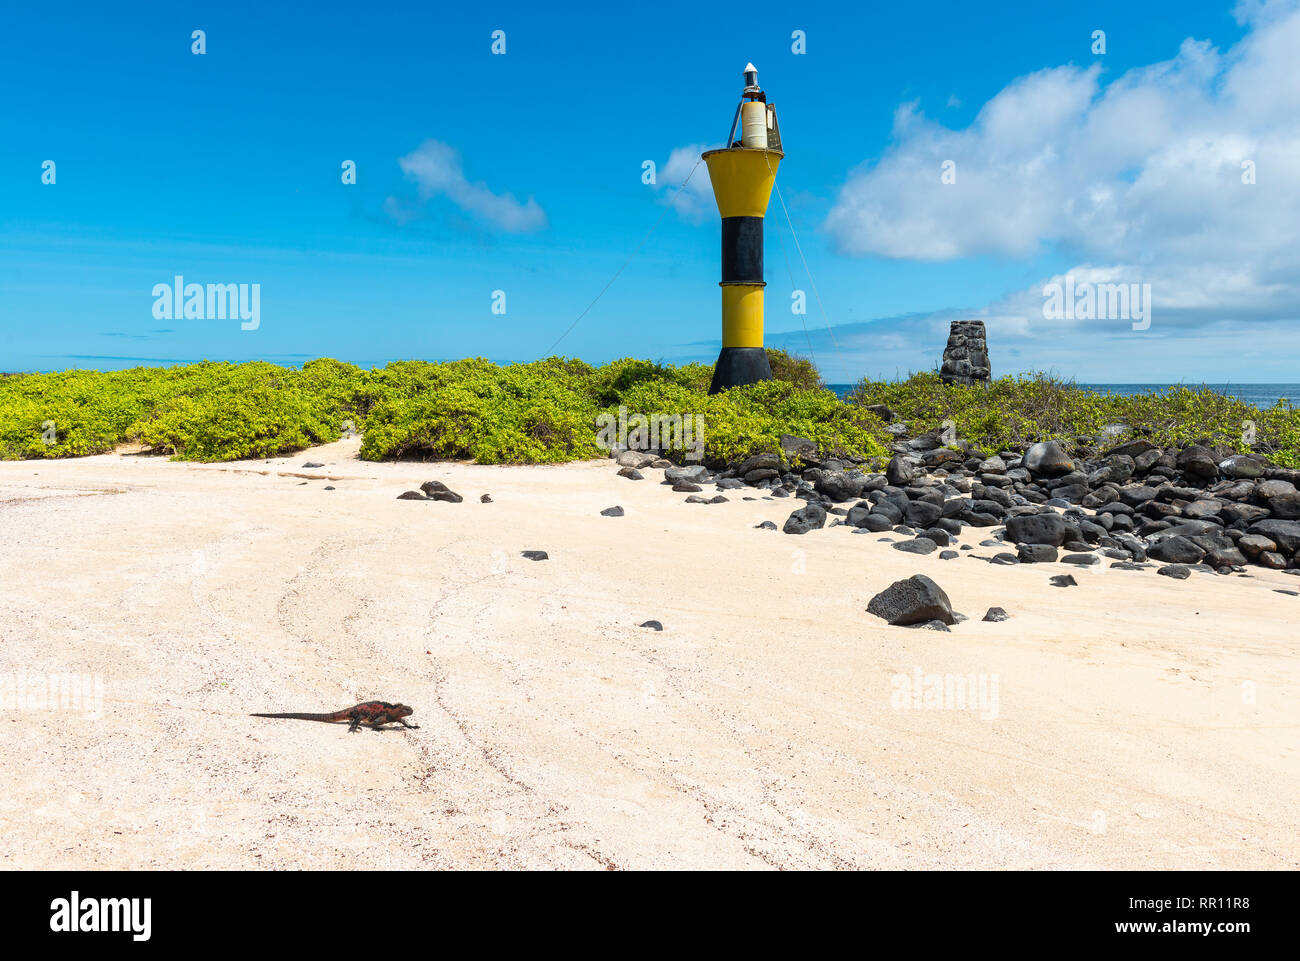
<point x="742" y="174"/>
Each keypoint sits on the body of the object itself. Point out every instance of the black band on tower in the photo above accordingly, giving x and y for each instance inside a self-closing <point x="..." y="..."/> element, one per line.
<point x="742" y="250"/>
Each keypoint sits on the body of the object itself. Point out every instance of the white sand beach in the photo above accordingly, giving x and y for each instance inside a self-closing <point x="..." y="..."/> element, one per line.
<point x="1139" y="721"/>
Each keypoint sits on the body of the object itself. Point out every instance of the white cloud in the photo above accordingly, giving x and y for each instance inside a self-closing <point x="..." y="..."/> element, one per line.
<point x="436" y="169"/>
<point x="694" y="201"/>
<point x="1141" y="177"/>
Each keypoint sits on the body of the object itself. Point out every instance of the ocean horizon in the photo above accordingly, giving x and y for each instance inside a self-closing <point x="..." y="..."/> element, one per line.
<point x="1258" y="395"/>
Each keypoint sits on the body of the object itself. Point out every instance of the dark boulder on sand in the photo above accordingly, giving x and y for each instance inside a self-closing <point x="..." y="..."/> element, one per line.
<point x="913" y="601"/>
<point x="1048" y="528"/>
<point x="695" y="474"/>
<point x="899" y="472"/>
<point x="635" y="459"/>
<point x="922" y="513"/>
<point x="840" y="485"/>
<point x="1176" y="550"/>
<point x="438" y="491"/>
<point x="917" y="545"/>
<point x="1036" y="553"/>
<point x="1284" y="533"/>
<point x="808" y="518"/>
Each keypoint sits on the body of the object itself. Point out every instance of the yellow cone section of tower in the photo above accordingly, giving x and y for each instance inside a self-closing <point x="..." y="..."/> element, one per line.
<point x="742" y="179"/>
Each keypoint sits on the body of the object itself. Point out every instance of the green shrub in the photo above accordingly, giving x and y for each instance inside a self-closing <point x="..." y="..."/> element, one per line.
<point x="545" y="411"/>
<point x="1012" y="412"/>
<point x="794" y="369"/>
<point x="751" y="420"/>
<point x="520" y="414"/>
<point x="1007" y="414"/>
<point x="71" y="413"/>
<point x="237" y="411"/>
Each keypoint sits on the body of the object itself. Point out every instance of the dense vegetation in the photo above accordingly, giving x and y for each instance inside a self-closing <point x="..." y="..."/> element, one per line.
<point x="522" y="413"/>
<point x="546" y="411"/>
<point x="1013" y="412"/>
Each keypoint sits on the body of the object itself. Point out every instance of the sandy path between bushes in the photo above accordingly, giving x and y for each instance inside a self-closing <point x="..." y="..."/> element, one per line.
<point x="1132" y="721"/>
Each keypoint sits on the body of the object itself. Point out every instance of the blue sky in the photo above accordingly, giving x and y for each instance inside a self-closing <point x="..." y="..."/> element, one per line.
<point x="522" y="173"/>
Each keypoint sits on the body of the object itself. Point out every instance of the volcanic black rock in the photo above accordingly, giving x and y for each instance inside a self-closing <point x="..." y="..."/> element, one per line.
<point x="1037" y="529"/>
<point x="912" y="601"/>
<point x="1036" y="553"/>
<point x="808" y="518"/>
<point x="1047" y="458"/>
<point x="917" y="545"/>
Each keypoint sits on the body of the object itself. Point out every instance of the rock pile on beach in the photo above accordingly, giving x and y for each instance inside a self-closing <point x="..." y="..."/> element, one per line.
<point x="1132" y="504"/>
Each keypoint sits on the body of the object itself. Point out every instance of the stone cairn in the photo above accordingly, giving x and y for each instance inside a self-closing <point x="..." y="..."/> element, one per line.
<point x="966" y="358"/>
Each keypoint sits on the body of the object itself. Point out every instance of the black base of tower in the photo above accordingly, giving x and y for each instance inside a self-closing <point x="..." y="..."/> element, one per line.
<point x="737" y="366"/>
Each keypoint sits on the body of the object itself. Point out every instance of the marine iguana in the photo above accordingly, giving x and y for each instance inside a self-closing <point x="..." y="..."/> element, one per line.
<point x="372" y="713"/>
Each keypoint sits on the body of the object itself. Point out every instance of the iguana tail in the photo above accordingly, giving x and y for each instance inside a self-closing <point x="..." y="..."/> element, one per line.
<point x="303" y="717"/>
